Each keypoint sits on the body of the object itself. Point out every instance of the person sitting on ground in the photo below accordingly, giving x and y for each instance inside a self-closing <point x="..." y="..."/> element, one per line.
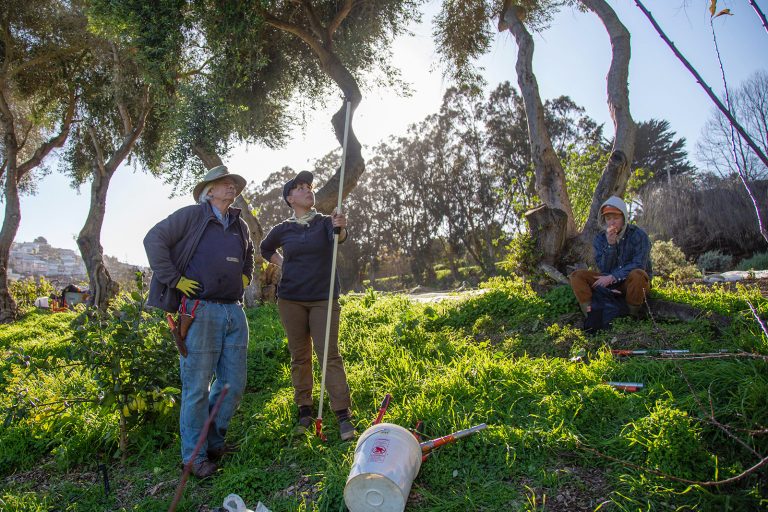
<point x="306" y="239"/>
<point x="622" y="254"/>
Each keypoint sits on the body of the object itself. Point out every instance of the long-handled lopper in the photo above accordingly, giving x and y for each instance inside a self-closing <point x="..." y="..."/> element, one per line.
<point x="428" y="446"/>
<point x="336" y="232"/>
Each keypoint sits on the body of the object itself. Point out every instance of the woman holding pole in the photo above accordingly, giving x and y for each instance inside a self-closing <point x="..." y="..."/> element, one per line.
<point x="307" y="243"/>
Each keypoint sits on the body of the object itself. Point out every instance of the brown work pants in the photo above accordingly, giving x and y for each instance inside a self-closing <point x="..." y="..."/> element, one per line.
<point x="635" y="287"/>
<point x="304" y="324"/>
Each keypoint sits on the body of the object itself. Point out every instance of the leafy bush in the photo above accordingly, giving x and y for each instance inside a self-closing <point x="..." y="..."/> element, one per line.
<point x="714" y="261"/>
<point x="25" y="291"/>
<point x="122" y="368"/>
<point x="671" y="441"/>
<point x="669" y="262"/>
<point x="757" y="262"/>
<point x="522" y="256"/>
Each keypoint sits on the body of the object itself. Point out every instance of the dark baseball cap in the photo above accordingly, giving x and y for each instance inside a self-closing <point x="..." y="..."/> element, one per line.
<point x="302" y="177"/>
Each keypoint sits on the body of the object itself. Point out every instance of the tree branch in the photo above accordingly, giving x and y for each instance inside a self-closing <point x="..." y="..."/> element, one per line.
<point x="97" y="148"/>
<point x="37" y="61"/>
<point x="704" y="85"/>
<point x="314" y="23"/>
<point x="55" y="142"/>
<point x="340" y="17"/>
<point x="662" y="474"/>
<point x="130" y="138"/>
<point x="759" y="14"/>
<point x="294" y="29"/>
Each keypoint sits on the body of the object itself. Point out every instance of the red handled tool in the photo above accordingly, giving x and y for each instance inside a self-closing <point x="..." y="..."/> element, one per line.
<point x="383" y="408"/>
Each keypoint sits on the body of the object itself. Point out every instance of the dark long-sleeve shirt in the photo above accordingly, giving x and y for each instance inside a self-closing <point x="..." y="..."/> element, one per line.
<point x="307" y="254"/>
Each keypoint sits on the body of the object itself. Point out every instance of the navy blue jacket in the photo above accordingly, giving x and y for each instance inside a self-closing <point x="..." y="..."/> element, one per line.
<point x="632" y="251"/>
<point x="171" y="243"/>
<point x="307" y="256"/>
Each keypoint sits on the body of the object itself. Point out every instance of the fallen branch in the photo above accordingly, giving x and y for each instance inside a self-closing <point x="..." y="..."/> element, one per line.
<point x="714" y="483"/>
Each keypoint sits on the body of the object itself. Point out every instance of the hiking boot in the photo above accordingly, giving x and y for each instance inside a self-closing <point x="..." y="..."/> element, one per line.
<point x="204" y="469"/>
<point x="347" y="430"/>
<point x="215" y="454"/>
<point x="305" y="419"/>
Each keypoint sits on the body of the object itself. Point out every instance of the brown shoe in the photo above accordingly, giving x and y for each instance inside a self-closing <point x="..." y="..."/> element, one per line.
<point x="215" y="454"/>
<point x="204" y="469"/>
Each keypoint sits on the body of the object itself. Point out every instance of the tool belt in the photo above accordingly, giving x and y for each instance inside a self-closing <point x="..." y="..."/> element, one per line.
<point x="180" y="326"/>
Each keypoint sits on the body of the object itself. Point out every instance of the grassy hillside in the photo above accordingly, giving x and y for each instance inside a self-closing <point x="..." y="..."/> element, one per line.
<point x="558" y="437"/>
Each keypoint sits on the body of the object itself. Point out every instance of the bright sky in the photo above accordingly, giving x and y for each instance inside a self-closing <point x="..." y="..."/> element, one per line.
<point x="571" y="58"/>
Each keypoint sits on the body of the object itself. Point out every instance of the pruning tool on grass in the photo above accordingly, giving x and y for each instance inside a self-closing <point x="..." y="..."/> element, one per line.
<point x="336" y="232"/>
<point x="428" y="446"/>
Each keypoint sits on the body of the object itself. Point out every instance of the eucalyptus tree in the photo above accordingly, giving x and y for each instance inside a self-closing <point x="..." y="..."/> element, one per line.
<point x="474" y="191"/>
<point x="463" y="32"/>
<point x="346" y="38"/>
<point x="43" y="47"/>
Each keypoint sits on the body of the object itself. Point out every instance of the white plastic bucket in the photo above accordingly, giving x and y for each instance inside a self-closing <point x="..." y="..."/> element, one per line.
<point x="387" y="459"/>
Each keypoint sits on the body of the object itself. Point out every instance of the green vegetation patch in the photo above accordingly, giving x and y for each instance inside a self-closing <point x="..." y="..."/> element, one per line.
<point x="557" y="433"/>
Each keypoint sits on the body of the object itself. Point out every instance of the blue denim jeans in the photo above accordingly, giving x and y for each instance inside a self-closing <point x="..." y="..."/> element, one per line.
<point x="217" y="343"/>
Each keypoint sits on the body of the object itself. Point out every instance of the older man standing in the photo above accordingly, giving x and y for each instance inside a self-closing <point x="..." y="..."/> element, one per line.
<point x="622" y="253"/>
<point x="202" y="258"/>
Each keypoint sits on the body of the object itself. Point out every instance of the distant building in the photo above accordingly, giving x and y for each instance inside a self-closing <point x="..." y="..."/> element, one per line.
<point x="61" y="266"/>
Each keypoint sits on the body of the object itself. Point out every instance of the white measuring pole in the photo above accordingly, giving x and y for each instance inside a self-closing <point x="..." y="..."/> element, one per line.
<point x="333" y="264"/>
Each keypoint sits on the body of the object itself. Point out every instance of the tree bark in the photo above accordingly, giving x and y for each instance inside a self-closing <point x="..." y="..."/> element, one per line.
<point x="616" y="174"/>
<point x="102" y="287"/>
<point x="11" y="221"/>
<point x="319" y="38"/>
<point x="14" y="173"/>
<point x="548" y="228"/>
<point x="254" y="292"/>
<point x="549" y="175"/>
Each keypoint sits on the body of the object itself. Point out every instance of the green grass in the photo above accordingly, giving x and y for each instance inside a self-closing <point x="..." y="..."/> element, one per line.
<point x="501" y="358"/>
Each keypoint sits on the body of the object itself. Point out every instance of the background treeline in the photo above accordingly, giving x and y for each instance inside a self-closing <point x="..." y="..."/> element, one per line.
<point x="444" y="204"/>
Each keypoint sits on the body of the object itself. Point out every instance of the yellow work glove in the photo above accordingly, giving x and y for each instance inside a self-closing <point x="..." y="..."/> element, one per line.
<point x="187" y="286"/>
<point x="246" y="281"/>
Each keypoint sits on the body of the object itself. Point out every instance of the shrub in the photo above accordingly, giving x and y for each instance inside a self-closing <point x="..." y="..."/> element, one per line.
<point x="757" y="262"/>
<point x="714" y="261"/>
<point x="25" y="291"/>
<point x="669" y="262"/>
<point x="522" y="256"/>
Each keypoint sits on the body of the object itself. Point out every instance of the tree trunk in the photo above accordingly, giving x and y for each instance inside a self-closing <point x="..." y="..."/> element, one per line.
<point x="549" y="175"/>
<point x="13" y="175"/>
<point x="103" y="289"/>
<point x="327" y="197"/>
<point x="548" y="228"/>
<point x="613" y="182"/>
<point x="254" y="291"/>
<point x="101" y="285"/>
<point x="11" y="221"/>
<point x="320" y="41"/>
